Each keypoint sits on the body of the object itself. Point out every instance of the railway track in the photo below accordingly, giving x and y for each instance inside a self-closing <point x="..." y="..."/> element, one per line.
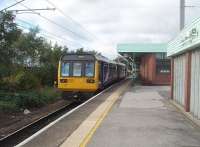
<point x="21" y="134"/>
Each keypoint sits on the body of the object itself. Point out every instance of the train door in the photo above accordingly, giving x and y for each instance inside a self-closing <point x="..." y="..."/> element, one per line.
<point x="105" y="68"/>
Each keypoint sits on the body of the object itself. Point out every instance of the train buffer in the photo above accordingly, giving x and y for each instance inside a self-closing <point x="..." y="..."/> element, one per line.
<point x="123" y="115"/>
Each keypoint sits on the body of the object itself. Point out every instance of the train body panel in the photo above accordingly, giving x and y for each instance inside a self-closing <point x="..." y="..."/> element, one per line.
<point x="79" y="85"/>
<point x="79" y="82"/>
<point x="109" y="73"/>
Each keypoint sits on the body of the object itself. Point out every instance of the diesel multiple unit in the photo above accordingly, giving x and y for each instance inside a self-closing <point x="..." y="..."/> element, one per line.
<point x="87" y="73"/>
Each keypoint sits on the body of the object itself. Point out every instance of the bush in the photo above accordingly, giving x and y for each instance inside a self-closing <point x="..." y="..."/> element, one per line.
<point x="37" y="98"/>
<point x="21" y="81"/>
<point x="29" y="99"/>
<point x="8" y="83"/>
<point x="47" y="75"/>
<point x="26" y="81"/>
<point x="50" y="94"/>
<point x="6" y="106"/>
<point x="29" y="78"/>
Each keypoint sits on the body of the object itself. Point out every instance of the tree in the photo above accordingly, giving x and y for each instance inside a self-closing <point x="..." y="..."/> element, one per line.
<point x="9" y="33"/>
<point x="29" y="48"/>
<point x="28" y="53"/>
<point x="80" y="51"/>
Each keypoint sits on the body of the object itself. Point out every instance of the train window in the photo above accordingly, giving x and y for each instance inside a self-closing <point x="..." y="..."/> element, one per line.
<point x="77" y="69"/>
<point x="65" y="69"/>
<point x="89" y="69"/>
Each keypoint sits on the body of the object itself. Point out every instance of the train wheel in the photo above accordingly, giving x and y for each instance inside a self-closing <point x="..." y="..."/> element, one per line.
<point x="67" y="96"/>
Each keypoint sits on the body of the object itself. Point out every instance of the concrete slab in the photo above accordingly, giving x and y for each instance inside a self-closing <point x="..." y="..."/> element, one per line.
<point x="141" y="100"/>
<point x="154" y="124"/>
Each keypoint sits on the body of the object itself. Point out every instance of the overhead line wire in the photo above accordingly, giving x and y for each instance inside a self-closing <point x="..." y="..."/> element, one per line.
<point x="53" y="22"/>
<point x="71" y="19"/>
<point x="44" y="35"/>
<point x="55" y="36"/>
<point x="18" y="2"/>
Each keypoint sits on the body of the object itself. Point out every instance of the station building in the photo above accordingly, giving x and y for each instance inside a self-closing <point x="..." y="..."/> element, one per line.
<point x="184" y="51"/>
<point x="150" y="62"/>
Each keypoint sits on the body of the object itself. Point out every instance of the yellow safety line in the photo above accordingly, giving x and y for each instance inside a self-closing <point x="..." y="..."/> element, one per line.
<point x="97" y="124"/>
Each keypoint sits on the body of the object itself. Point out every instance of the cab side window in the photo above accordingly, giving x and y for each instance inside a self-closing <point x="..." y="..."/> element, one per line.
<point x="89" y="69"/>
<point x="65" y="69"/>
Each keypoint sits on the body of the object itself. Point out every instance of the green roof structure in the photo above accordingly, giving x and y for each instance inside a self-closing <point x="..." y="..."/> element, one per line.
<point x="142" y="48"/>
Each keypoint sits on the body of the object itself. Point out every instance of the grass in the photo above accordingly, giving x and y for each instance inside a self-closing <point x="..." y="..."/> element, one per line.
<point x="10" y="101"/>
<point x="8" y="106"/>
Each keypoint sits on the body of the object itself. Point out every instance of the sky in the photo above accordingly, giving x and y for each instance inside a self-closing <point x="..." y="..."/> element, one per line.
<point x="102" y="24"/>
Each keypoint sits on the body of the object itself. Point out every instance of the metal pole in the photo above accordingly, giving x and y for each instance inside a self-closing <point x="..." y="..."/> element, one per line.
<point x="182" y="14"/>
<point x="11" y="5"/>
<point x="44" y="9"/>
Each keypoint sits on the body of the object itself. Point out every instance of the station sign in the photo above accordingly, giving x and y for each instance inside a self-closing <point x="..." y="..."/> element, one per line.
<point x="187" y="39"/>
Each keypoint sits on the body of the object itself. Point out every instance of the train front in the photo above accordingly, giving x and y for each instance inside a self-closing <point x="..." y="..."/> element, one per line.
<point x="78" y="74"/>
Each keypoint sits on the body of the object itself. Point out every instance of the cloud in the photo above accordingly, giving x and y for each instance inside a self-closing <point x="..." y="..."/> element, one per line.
<point x="109" y="21"/>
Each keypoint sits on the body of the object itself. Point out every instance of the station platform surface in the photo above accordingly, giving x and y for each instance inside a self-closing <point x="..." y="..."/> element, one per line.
<point x="143" y="117"/>
<point x="57" y="132"/>
<point x="123" y="116"/>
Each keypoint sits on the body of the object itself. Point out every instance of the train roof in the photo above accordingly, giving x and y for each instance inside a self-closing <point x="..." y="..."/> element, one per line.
<point x="90" y="57"/>
<point x="102" y="58"/>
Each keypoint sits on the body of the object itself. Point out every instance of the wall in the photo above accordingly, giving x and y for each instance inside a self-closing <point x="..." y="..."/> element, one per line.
<point x="187" y="43"/>
<point x="162" y="79"/>
<point x="179" y="79"/>
<point x="195" y="84"/>
<point x="148" y="73"/>
<point x="187" y="94"/>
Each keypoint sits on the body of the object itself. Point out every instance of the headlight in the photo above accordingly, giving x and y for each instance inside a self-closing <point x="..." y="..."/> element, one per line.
<point x="90" y="81"/>
<point x="63" y="80"/>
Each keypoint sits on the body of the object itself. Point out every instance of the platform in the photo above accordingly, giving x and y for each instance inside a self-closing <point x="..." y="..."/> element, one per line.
<point x="143" y="117"/>
<point x="60" y="130"/>
<point x="125" y="115"/>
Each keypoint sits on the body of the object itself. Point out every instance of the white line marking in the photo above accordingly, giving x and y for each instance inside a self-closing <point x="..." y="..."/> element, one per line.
<point x="60" y="118"/>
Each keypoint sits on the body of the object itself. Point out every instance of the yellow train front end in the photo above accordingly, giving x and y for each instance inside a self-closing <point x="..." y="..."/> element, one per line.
<point x="78" y="74"/>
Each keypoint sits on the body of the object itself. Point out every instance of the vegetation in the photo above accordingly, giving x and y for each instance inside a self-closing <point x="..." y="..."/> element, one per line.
<point x="10" y="101"/>
<point x="28" y="66"/>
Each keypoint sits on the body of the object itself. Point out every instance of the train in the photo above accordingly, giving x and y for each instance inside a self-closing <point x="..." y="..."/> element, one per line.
<point x="86" y="74"/>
